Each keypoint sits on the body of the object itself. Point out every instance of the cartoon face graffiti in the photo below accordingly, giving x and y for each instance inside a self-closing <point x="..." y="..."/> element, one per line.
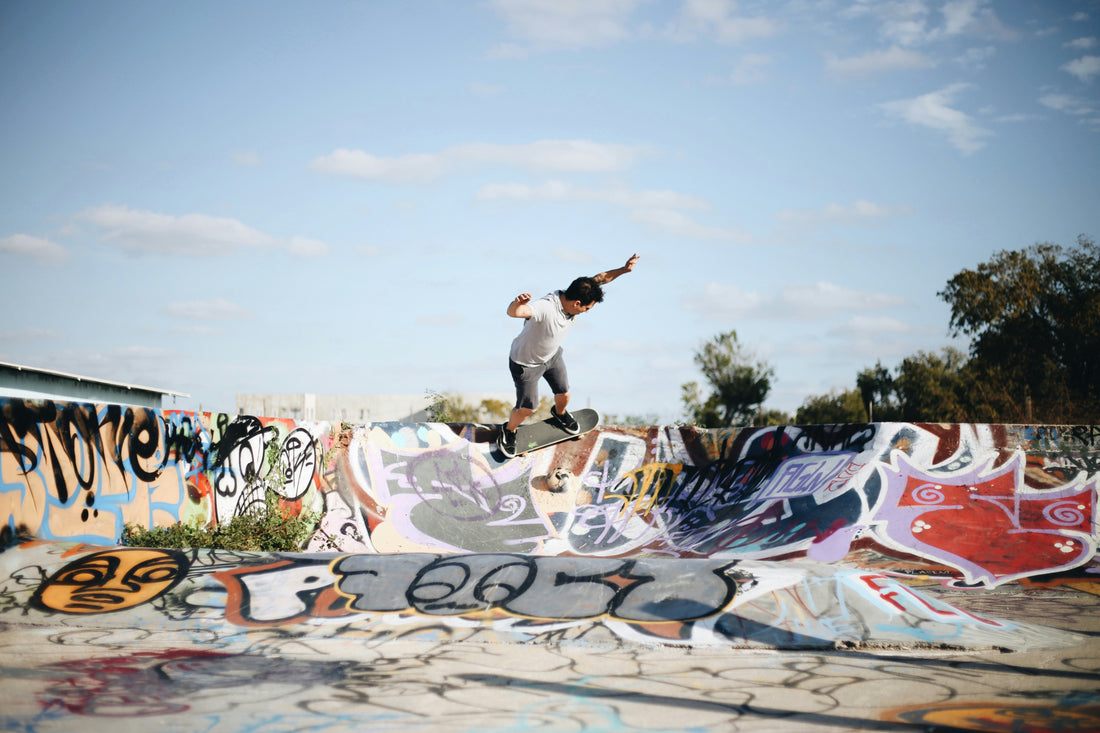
<point x="112" y="580"/>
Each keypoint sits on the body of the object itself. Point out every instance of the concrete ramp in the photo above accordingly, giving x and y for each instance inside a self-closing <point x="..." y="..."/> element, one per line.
<point x="515" y="598"/>
<point x="897" y="576"/>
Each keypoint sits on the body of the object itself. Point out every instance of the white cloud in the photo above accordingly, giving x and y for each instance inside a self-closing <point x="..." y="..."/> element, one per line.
<point x="249" y="158"/>
<point x="933" y="110"/>
<point x="416" y="168"/>
<point x="1084" y="68"/>
<point x="561" y="191"/>
<point x="196" y="235"/>
<point x="583" y="156"/>
<point x="862" y="326"/>
<point x="550" y="155"/>
<point x="912" y="23"/>
<point x="29" y="334"/>
<point x="894" y="58"/>
<point x="191" y="234"/>
<point x="720" y="302"/>
<point x="1081" y="44"/>
<point x="859" y="213"/>
<point x="750" y="69"/>
<point x="824" y="298"/>
<point x="679" y="224"/>
<point x="481" y="89"/>
<point x="567" y="23"/>
<point x="215" y="309"/>
<point x="802" y="302"/>
<point x="24" y="245"/>
<point x="305" y="247"/>
<point x="719" y="19"/>
<point x="1068" y="104"/>
<point x="976" y="58"/>
<point x="441" y="319"/>
<point x="569" y="255"/>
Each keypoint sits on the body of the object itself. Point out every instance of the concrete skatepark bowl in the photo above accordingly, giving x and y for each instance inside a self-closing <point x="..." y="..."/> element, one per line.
<point x="885" y="576"/>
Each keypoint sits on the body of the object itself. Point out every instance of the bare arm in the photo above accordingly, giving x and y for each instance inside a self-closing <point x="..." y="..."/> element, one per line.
<point x="518" y="308"/>
<point x="605" y="277"/>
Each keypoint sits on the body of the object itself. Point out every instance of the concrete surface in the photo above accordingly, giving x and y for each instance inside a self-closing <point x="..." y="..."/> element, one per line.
<point x="820" y="578"/>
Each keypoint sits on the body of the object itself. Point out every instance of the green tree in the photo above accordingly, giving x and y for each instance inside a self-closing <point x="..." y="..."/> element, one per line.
<point x="937" y="388"/>
<point x="876" y="391"/>
<point x="1034" y="319"/>
<point x="833" y="408"/>
<point x="738" y="383"/>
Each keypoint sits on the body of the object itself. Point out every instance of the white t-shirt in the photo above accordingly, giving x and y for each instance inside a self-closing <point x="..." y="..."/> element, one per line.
<point x="543" y="332"/>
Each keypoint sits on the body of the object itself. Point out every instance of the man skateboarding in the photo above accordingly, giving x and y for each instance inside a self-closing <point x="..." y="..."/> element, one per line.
<point x="537" y="354"/>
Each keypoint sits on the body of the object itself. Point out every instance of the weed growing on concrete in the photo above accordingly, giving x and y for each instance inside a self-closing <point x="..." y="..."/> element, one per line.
<point x="270" y="529"/>
<point x="266" y="527"/>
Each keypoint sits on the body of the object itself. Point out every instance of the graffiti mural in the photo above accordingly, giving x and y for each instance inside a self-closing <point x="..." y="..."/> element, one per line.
<point x="977" y="505"/>
<point x="227" y="641"/>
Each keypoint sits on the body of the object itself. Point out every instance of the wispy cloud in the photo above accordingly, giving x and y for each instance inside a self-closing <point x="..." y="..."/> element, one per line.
<point x="721" y="21"/>
<point x="583" y="156"/>
<point x="859" y="213"/>
<point x="809" y="302"/>
<point x="679" y="224"/>
<point x="195" y="235"/>
<point x="248" y="158"/>
<point x="1084" y="68"/>
<point x="1074" y="106"/>
<point x="543" y="24"/>
<point x="914" y="23"/>
<point x="934" y="111"/>
<point x="214" y="309"/>
<point x="561" y="191"/>
<point x="751" y="69"/>
<point x="894" y="58"/>
<point x="1081" y="44"/>
<point x="24" y="245"/>
<point x="31" y="333"/>
<point x="306" y="247"/>
<point x="572" y="256"/>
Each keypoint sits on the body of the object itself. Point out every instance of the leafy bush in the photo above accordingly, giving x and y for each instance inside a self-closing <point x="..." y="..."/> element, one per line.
<point x="270" y="529"/>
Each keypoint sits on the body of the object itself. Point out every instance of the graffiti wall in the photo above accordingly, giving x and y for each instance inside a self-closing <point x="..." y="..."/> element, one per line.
<point x="222" y="641"/>
<point x="972" y="505"/>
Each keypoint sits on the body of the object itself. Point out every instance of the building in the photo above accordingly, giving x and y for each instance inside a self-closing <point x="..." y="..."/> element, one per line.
<point x="354" y="408"/>
<point x="17" y="380"/>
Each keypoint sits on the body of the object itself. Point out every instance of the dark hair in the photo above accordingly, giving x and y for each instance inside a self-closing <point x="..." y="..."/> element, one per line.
<point x="586" y="290"/>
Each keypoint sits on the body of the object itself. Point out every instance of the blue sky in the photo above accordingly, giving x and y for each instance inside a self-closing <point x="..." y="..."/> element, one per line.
<point x="339" y="197"/>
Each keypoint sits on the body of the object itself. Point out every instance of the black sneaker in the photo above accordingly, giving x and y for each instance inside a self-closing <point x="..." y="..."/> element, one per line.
<point x="506" y="441"/>
<point x="565" y="421"/>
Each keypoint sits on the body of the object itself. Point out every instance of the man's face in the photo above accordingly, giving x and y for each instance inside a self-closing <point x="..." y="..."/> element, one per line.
<point x="575" y="307"/>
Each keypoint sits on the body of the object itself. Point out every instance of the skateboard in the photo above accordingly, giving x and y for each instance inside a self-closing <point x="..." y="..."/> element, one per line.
<point x="543" y="434"/>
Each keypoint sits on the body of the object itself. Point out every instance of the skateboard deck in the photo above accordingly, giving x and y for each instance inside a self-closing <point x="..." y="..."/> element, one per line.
<point x="542" y="434"/>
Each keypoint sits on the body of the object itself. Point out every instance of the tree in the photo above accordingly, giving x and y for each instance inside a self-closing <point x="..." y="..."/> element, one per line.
<point x="1034" y="316"/>
<point x="876" y="391"/>
<point x="739" y="384"/>
<point x="834" y="408"/>
<point x="936" y="388"/>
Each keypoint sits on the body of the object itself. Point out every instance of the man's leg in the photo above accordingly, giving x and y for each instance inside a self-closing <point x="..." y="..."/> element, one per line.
<point x="519" y="414"/>
<point x="557" y="376"/>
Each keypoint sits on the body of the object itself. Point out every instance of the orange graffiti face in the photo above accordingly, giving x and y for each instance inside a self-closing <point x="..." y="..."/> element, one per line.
<point x="112" y="580"/>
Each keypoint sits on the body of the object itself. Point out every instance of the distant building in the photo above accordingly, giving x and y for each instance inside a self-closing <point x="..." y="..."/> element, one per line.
<point x="17" y="380"/>
<point x="354" y="408"/>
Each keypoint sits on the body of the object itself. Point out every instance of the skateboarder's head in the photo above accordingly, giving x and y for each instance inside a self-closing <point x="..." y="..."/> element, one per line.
<point x="584" y="291"/>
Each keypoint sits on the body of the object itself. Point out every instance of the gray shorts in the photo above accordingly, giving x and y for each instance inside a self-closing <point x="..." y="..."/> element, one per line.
<point x="527" y="380"/>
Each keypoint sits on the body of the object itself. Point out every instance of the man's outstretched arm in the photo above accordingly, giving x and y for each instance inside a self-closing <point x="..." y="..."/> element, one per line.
<point x="605" y="277"/>
<point x="518" y="308"/>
